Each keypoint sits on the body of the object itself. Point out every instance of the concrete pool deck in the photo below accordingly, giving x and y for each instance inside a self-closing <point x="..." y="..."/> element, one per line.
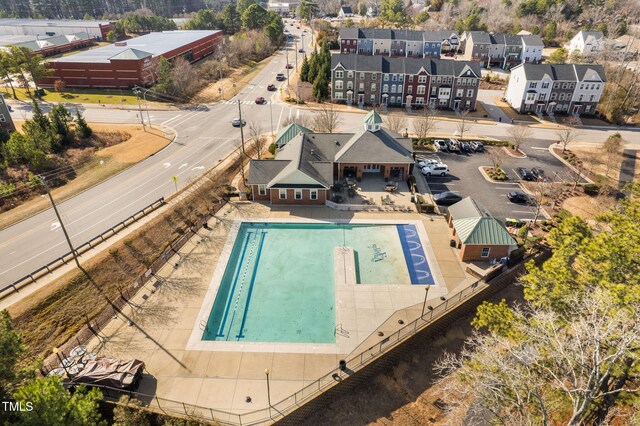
<point x="166" y="310"/>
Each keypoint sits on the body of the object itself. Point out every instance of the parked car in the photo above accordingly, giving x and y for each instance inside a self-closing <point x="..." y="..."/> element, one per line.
<point x="427" y="162"/>
<point x="260" y="100"/>
<point x="525" y="174"/>
<point x="447" y="198"/>
<point x="435" y="170"/>
<point x="449" y="54"/>
<point x="520" y="197"/>
<point x="441" y="145"/>
<point x="236" y="122"/>
<point x="477" y="146"/>
<point x="300" y="50"/>
<point x="538" y="173"/>
<point x="289" y="66"/>
<point x="465" y="147"/>
<point x="271" y="87"/>
<point x="280" y="76"/>
<point x="453" y="145"/>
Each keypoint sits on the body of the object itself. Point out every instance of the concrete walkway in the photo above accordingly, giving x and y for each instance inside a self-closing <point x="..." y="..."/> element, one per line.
<point x="485" y="98"/>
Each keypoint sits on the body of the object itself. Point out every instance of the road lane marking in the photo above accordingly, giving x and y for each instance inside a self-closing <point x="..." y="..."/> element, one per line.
<point x="198" y="168"/>
<point x="182" y="166"/>
<point x="166" y="165"/>
<point x="171" y="119"/>
<point x="54" y="226"/>
<point x="541" y="148"/>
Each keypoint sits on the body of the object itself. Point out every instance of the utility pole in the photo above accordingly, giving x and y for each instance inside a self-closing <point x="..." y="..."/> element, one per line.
<point x="271" y="117"/>
<point x="241" y="126"/>
<point x="64" y="230"/>
<point x="287" y="53"/>
<point x="296" y="47"/>
<point x="146" y="105"/>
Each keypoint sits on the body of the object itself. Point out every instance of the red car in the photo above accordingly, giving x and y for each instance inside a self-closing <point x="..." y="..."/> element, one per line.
<point x="289" y="66"/>
<point x="271" y="87"/>
<point x="260" y="100"/>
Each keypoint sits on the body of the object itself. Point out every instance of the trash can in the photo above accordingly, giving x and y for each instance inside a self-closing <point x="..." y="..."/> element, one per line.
<point x="452" y="243"/>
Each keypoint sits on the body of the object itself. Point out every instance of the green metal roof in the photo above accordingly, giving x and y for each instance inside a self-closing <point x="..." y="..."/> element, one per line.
<point x="482" y="231"/>
<point x="287" y="133"/>
<point x="373" y="118"/>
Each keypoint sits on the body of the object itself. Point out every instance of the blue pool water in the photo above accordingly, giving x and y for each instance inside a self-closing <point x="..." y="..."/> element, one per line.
<point x="278" y="284"/>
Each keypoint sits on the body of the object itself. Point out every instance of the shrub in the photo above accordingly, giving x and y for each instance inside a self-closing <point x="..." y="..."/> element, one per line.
<point x="273" y="148"/>
<point x="523" y="232"/>
<point x="591" y="189"/>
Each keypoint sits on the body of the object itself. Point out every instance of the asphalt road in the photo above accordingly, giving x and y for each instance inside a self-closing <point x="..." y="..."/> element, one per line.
<point x="205" y="136"/>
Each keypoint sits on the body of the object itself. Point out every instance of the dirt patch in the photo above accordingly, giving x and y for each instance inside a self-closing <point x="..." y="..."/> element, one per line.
<point x="588" y="207"/>
<point x="598" y="163"/>
<point x="122" y="146"/>
<point x="506" y="108"/>
<point x="232" y="84"/>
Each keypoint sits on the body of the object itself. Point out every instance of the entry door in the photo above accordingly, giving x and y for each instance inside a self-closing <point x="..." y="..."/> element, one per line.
<point x="576" y="109"/>
<point x="361" y="98"/>
<point x="456" y="104"/>
<point x="539" y="108"/>
<point x="550" y="109"/>
<point x="349" y="98"/>
<point x="432" y="103"/>
<point x="371" y="168"/>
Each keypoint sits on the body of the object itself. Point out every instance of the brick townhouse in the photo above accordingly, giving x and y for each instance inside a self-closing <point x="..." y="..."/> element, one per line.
<point x="379" y="80"/>
<point x="567" y="88"/>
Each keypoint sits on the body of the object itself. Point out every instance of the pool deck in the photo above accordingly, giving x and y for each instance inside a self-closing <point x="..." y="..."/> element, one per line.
<point x="170" y="308"/>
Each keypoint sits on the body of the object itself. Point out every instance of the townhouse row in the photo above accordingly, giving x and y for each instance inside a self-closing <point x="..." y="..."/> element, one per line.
<point x="503" y="50"/>
<point x="547" y="89"/>
<point x="379" y="80"/>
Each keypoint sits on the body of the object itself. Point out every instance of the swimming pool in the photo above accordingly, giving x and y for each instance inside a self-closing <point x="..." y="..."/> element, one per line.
<point x="278" y="284"/>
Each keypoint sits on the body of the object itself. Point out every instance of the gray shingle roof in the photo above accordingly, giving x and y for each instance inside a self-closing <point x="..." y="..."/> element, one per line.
<point x="563" y="72"/>
<point x="479" y="37"/>
<point x="590" y="72"/>
<point x="263" y="171"/>
<point x="374" y="147"/>
<point x="405" y="65"/>
<point x="349" y="33"/>
<point x="532" y="40"/>
<point x="595" y="34"/>
<point x="346" y="9"/>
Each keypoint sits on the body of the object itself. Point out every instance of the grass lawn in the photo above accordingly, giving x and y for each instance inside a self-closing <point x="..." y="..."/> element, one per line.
<point x="85" y="96"/>
<point x="106" y="162"/>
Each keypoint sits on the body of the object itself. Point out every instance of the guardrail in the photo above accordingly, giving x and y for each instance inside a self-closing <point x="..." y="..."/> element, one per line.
<point x="83" y="248"/>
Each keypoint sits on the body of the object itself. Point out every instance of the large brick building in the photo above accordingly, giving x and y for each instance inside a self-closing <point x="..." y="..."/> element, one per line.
<point x="307" y="164"/>
<point x="133" y="62"/>
<point x="379" y="80"/>
<point x="47" y="46"/>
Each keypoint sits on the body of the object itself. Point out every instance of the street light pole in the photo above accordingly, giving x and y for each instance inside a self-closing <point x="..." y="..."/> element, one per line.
<point x="137" y="92"/>
<point x="296" y="47"/>
<point x="266" y="371"/>
<point x="271" y="116"/>
<point x="241" y="126"/>
<point x="287" y="53"/>
<point x="424" y="304"/>
<point x="146" y="105"/>
<point x="64" y="229"/>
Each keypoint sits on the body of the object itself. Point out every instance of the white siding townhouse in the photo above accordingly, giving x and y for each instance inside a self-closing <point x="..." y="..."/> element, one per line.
<point x="587" y="43"/>
<point x="544" y="88"/>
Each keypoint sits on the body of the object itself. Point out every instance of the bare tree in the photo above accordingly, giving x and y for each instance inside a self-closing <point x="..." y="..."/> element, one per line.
<point x="258" y="140"/>
<point x="396" y="123"/>
<point x="301" y="120"/>
<point x="520" y="134"/>
<point x="548" y="363"/>
<point x="423" y="125"/>
<point x="241" y="157"/>
<point x="496" y="155"/>
<point x="592" y="159"/>
<point x="464" y="124"/>
<point x="327" y="119"/>
<point x="612" y="151"/>
<point x="569" y="133"/>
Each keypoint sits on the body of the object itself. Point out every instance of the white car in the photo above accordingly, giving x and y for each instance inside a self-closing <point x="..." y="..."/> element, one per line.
<point x="441" y="145"/>
<point x="424" y="163"/>
<point x="435" y="170"/>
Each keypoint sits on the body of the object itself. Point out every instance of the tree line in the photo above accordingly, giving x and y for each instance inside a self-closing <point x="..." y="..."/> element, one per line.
<point x="317" y="71"/>
<point x="570" y="353"/>
<point x="42" y="135"/>
<point x="24" y="66"/>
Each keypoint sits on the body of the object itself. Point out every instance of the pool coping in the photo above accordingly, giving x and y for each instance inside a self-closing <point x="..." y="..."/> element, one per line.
<point x="344" y="343"/>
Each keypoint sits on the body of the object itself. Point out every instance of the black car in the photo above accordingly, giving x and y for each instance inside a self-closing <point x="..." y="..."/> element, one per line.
<point x="300" y="50"/>
<point x="538" y="173"/>
<point x="271" y="87"/>
<point x="447" y="198"/>
<point x="525" y="174"/>
<point x="520" y="197"/>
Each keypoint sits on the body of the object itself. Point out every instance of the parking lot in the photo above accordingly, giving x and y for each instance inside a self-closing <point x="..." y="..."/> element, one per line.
<point x="465" y="178"/>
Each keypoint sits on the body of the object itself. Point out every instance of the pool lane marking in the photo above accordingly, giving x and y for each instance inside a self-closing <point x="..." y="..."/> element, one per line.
<point x="233" y="288"/>
<point x="251" y="283"/>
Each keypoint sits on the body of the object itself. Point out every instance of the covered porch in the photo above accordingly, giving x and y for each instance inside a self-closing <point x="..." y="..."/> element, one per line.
<point x="386" y="171"/>
<point x="371" y="192"/>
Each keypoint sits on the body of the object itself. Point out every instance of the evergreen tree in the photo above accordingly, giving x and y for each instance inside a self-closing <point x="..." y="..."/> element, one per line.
<point x="231" y="19"/>
<point x="82" y="128"/>
<point x="320" y="88"/>
<point x="304" y="69"/>
<point x="60" y="118"/>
